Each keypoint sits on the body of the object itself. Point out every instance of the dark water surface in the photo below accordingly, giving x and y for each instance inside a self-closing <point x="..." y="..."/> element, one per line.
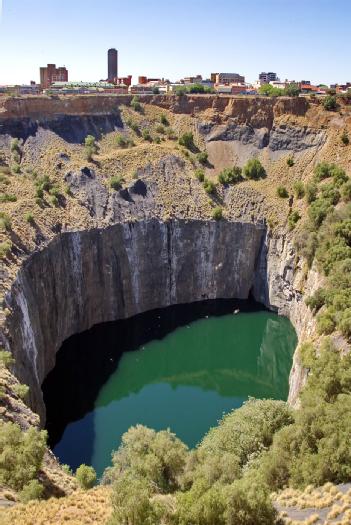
<point x="191" y="364"/>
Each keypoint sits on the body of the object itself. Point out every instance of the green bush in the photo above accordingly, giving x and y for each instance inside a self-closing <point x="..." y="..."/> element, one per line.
<point x="31" y="491"/>
<point x="157" y="458"/>
<point x="21" y="391"/>
<point x="160" y="129"/>
<point x="217" y="213"/>
<point x="323" y="170"/>
<point x="15" y="145"/>
<point x="21" y="454"/>
<point x="317" y="300"/>
<point x="325" y="323"/>
<point x="253" y="169"/>
<point x="29" y="217"/>
<point x="344" y="323"/>
<point x="330" y="103"/>
<point x="86" y="477"/>
<point x="318" y="211"/>
<point x="6" y="358"/>
<point x="282" y="192"/>
<point x="187" y="140"/>
<point x="339" y="176"/>
<point x="345" y="191"/>
<point x="290" y="162"/>
<point x="209" y="186"/>
<point x="116" y="182"/>
<point x="135" y="104"/>
<point x="202" y="157"/>
<point x="7" y="197"/>
<point x="5" y="248"/>
<point x="311" y="192"/>
<point x="5" y="221"/>
<point x="345" y="138"/>
<point x="230" y="175"/>
<point x="121" y="141"/>
<point x="54" y="201"/>
<point x="16" y="168"/>
<point x="131" y="503"/>
<point x="293" y="219"/>
<point x="146" y="135"/>
<point x="200" y="174"/>
<point x="299" y="189"/>
<point x="90" y="147"/>
<point x="164" y="121"/>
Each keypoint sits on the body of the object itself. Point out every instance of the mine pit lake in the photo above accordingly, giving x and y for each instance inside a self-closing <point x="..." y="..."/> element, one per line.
<point x="190" y="364"/>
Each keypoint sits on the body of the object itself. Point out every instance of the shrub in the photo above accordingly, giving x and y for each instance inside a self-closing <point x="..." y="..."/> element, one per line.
<point x="249" y="503"/>
<point x="157" y="458"/>
<point x="116" y="182"/>
<point x="253" y="169"/>
<point x="42" y="184"/>
<point x="247" y="430"/>
<point x="330" y="193"/>
<point x="21" y="454"/>
<point x="200" y="174"/>
<point x="345" y="191"/>
<point x="293" y="219"/>
<point x="67" y="469"/>
<point x="86" y="476"/>
<point x="290" y="162"/>
<point x="21" y="391"/>
<point x="16" y="168"/>
<point x="311" y="192"/>
<point x="230" y="175"/>
<point x="299" y="189"/>
<point x="292" y="90"/>
<point x="31" y="491"/>
<point x="7" y="197"/>
<point x="307" y="354"/>
<point x="209" y="186"/>
<point x="15" y="145"/>
<point x="187" y="140"/>
<point x="164" y="121"/>
<point x="345" y="323"/>
<point x="325" y="323"/>
<point x="282" y="192"/>
<point x="6" y="358"/>
<point x="202" y="157"/>
<point x="29" y="217"/>
<point x="318" y="211"/>
<point x="339" y="176"/>
<point x="323" y="170"/>
<point x="160" y="129"/>
<point x="131" y="503"/>
<point x="121" y="141"/>
<point x="54" y="201"/>
<point x="217" y="213"/>
<point x="345" y="138"/>
<point x="90" y="147"/>
<point x="134" y="127"/>
<point x="146" y="135"/>
<point x="317" y="300"/>
<point x="135" y="104"/>
<point x="330" y="103"/>
<point x="5" y="249"/>
<point x="5" y="221"/>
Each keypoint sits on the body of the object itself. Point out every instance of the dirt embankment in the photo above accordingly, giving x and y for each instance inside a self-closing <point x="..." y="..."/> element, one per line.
<point x="258" y="111"/>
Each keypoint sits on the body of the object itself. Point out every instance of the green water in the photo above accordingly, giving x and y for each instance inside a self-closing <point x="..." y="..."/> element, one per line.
<point x="185" y="382"/>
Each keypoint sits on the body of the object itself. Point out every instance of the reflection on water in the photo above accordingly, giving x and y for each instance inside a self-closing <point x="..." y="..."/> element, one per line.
<point x="185" y="382"/>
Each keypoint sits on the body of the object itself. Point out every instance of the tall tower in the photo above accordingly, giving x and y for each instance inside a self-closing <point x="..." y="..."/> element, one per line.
<point x="112" y="64"/>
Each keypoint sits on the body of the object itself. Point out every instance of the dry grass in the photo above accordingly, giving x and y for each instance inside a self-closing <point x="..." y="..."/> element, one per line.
<point x="92" y="507"/>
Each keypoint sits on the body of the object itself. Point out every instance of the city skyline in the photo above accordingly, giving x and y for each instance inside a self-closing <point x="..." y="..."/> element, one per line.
<point x="160" y="40"/>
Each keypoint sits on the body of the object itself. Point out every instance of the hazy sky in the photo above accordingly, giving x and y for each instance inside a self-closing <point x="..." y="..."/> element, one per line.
<point x="299" y="39"/>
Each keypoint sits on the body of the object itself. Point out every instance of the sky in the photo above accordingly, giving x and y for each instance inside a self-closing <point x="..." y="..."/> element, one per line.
<point x="298" y="39"/>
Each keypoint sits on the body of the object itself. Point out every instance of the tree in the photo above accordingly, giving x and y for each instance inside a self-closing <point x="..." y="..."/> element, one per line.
<point x="21" y="454"/>
<point x="330" y="103"/>
<point x="86" y="476"/>
<point x="253" y="169"/>
<point x="292" y="90"/>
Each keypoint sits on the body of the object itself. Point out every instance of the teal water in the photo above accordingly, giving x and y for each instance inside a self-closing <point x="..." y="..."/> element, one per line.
<point x="185" y="382"/>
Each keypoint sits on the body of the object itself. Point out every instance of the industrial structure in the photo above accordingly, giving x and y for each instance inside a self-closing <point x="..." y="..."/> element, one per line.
<point x="112" y="59"/>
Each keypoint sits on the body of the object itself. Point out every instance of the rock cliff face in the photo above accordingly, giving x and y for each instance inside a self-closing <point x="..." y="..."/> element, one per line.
<point x="100" y="275"/>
